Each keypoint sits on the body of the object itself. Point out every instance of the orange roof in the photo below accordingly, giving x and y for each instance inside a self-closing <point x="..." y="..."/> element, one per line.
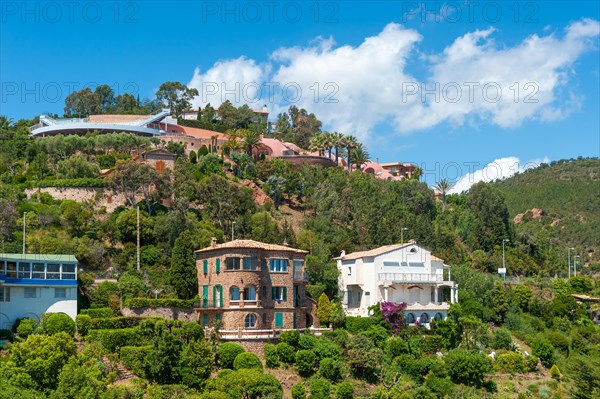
<point x="375" y="251"/>
<point x="200" y="133"/>
<point x="117" y="118"/>
<point x="243" y="244"/>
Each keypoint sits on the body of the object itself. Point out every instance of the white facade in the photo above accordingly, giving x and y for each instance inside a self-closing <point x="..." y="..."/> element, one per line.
<point x="31" y="285"/>
<point x="396" y="273"/>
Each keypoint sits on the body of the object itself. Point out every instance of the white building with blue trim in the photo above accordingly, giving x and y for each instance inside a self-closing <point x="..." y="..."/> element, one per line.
<point x="34" y="284"/>
<point x="396" y="273"/>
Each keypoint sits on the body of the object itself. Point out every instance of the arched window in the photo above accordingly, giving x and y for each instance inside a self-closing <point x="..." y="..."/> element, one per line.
<point x="250" y="293"/>
<point x="438" y="317"/>
<point x="250" y="321"/>
<point x="234" y="293"/>
<point x="424" y="318"/>
<point x="410" y="318"/>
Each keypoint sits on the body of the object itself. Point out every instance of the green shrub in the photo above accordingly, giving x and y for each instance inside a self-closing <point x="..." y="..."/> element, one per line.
<point x="356" y="325"/>
<point x="227" y="354"/>
<point x="305" y="362"/>
<point x="543" y="349"/>
<point x="307" y="341"/>
<point x="159" y="303"/>
<point x="559" y="340"/>
<point x="555" y="372"/>
<point x="441" y="387"/>
<point x="345" y="390"/>
<point x="247" y="360"/>
<point x="510" y="362"/>
<point x="53" y="323"/>
<point x="531" y="363"/>
<point x="286" y="353"/>
<point x="320" y="388"/>
<point x="324" y="348"/>
<point x="338" y="336"/>
<point x="290" y="337"/>
<point x="330" y="369"/>
<point x="396" y="346"/>
<point x="133" y="358"/>
<point x="467" y="367"/>
<point x="271" y="356"/>
<point x="114" y="339"/>
<point x="97" y="313"/>
<point x="502" y="339"/>
<point x="26" y="327"/>
<point x="114" y="323"/>
<point x="83" y="322"/>
<point x="298" y="391"/>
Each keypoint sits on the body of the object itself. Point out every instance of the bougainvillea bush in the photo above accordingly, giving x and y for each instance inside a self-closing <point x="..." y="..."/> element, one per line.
<point x="393" y="313"/>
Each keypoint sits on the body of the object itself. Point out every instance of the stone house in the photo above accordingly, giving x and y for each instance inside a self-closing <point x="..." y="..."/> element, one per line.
<point x="250" y="285"/>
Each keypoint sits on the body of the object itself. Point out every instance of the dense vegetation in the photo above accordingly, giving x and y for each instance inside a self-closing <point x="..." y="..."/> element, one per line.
<point x="324" y="211"/>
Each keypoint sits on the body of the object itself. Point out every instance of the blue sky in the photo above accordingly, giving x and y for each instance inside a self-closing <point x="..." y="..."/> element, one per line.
<point x="366" y="59"/>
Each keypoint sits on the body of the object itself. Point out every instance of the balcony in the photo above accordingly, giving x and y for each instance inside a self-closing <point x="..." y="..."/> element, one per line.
<point x="300" y="275"/>
<point x="411" y="278"/>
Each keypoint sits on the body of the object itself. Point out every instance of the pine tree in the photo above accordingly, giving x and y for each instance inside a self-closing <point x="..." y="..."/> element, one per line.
<point x="183" y="267"/>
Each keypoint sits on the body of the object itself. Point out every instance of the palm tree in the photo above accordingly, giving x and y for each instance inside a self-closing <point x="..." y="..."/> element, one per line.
<point x="328" y="142"/>
<point x="317" y="143"/>
<point x="442" y="187"/>
<point x="337" y="141"/>
<point x="250" y="138"/>
<point x="359" y="155"/>
<point x="351" y="143"/>
<point x="5" y="122"/>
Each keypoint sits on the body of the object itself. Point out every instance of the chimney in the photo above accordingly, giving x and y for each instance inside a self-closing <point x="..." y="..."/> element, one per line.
<point x="265" y="108"/>
<point x="343" y="254"/>
<point x="377" y="160"/>
<point x="213" y="242"/>
<point x="285" y="243"/>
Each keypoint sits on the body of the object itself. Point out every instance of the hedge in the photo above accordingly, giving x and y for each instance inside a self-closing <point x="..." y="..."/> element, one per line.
<point x="159" y="303"/>
<point x="359" y="324"/>
<point x="133" y="358"/>
<point x="96" y="313"/>
<point x="115" y="322"/>
<point x="114" y="339"/>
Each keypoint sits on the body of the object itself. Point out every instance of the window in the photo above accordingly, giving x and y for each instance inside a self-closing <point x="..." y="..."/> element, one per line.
<point x="424" y="318"/>
<point x="218" y="266"/>
<point x="218" y="317"/>
<point x="68" y="271"/>
<point x="4" y="294"/>
<point x="278" y="265"/>
<point x="30" y="292"/>
<point x="53" y="271"/>
<point x="205" y="296"/>
<point x="250" y="263"/>
<point x="233" y="263"/>
<point x="205" y="320"/>
<point x="60" y="293"/>
<point x="250" y="321"/>
<point x="438" y="317"/>
<point x="279" y="293"/>
<point x="38" y="270"/>
<point x="410" y="318"/>
<point x="205" y="266"/>
<point x="278" y="319"/>
<point x="234" y="293"/>
<point x="11" y="269"/>
<point x="250" y="294"/>
<point x="24" y="270"/>
<point x="218" y="296"/>
<point x="349" y="270"/>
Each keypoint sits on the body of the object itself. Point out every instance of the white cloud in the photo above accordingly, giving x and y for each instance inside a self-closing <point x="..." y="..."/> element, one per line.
<point x="498" y="169"/>
<point x="369" y="83"/>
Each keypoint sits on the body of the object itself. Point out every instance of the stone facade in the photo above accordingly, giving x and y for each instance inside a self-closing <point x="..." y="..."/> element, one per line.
<point x="252" y="285"/>
<point x="183" y="314"/>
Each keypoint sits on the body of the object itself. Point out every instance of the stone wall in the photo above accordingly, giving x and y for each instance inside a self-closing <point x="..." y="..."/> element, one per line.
<point x="100" y="197"/>
<point x="183" y="314"/>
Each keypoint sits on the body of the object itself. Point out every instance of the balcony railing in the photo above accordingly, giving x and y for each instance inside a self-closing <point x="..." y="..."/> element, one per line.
<point x="411" y="278"/>
<point x="299" y="275"/>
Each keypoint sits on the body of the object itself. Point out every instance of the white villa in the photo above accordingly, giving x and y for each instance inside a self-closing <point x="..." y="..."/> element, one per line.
<point x="34" y="284"/>
<point x="396" y="273"/>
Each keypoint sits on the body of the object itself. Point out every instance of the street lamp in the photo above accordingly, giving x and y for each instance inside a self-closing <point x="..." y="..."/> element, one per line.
<point x="402" y="230"/>
<point x="575" y="265"/>
<point x="570" y="261"/>
<point x="24" y="220"/>
<point x="503" y="259"/>
<point x="232" y="230"/>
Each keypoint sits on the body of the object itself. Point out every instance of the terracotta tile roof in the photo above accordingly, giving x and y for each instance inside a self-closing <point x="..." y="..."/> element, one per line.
<point x="117" y="118"/>
<point x="436" y="259"/>
<point x="375" y="251"/>
<point x="201" y="133"/>
<point x="241" y="244"/>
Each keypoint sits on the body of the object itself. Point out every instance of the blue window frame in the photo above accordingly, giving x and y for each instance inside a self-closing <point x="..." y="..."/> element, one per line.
<point x="278" y="265"/>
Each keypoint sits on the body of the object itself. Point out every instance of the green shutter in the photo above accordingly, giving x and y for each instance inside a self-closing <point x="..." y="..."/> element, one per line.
<point x="220" y="296"/>
<point x="273" y="293"/>
<point x="218" y="265"/>
<point x="205" y="296"/>
<point x="205" y="266"/>
<point x="215" y="290"/>
<point x="278" y="319"/>
<point x="285" y="293"/>
<point x="205" y="320"/>
<point x="295" y="326"/>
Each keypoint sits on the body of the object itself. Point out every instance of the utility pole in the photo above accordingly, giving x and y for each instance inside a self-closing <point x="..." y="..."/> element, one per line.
<point x="24" y="219"/>
<point x="570" y="249"/>
<point x="402" y="230"/>
<point x="575" y="265"/>
<point x="138" y="238"/>
<point x="503" y="260"/>
<point x="232" y="230"/>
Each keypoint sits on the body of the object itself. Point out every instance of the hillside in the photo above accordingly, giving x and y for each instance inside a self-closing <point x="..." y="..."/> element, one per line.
<point x="568" y="194"/>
